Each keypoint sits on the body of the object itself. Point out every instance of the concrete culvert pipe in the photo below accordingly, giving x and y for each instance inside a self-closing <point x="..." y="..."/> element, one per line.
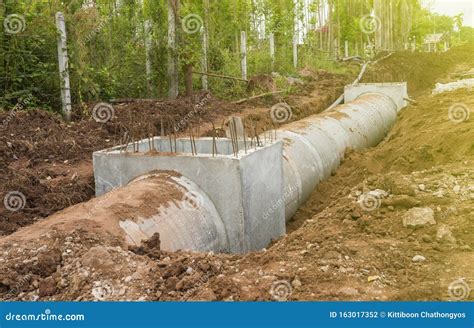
<point x="163" y="202"/>
<point x="313" y="147"/>
<point x="248" y="211"/>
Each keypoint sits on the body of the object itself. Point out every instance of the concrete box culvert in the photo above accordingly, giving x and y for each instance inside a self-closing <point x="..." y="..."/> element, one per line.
<point x="254" y="192"/>
<point x="245" y="190"/>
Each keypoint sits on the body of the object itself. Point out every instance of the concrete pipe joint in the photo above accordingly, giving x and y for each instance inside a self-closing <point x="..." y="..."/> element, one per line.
<point x="313" y="147"/>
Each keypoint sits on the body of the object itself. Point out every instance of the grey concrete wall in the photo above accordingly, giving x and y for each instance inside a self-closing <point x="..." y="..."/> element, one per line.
<point x="235" y="185"/>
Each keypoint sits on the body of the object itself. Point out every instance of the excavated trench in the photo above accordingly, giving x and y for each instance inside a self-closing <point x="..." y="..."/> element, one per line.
<point x="217" y="200"/>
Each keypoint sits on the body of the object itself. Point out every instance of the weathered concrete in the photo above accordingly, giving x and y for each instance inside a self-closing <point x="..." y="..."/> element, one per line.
<point x="255" y="191"/>
<point x="314" y="147"/>
<point x="398" y="92"/>
<point x="236" y="186"/>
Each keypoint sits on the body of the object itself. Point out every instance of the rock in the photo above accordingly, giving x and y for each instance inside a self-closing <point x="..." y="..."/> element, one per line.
<point x="402" y="201"/>
<point x="426" y="239"/>
<point x="378" y="193"/>
<point x="348" y="291"/>
<point x="439" y="193"/>
<point x="207" y="295"/>
<point x="47" y="287"/>
<point x="465" y="248"/>
<point x="445" y="234"/>
<point x="457" y="189"/>
<point x="421" y="187"/>
<point x="98" y="258"/>
<point x="296" y="283"/>
<point x="418" y="217"/>
<point x="418" y="258"/>
<point x="372" y="278"/>
<point x="189" y="271"/>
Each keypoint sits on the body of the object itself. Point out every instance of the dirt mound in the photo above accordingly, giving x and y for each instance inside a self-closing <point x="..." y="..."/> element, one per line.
<point x="421" y="70"/>
<point x="49" y="162"/>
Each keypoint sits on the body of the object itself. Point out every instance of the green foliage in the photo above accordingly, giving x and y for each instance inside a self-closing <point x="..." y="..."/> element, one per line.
<point x="106" y="43"/>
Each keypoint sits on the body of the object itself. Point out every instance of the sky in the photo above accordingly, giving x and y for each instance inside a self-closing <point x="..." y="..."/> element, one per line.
<point x="454" y="7"/>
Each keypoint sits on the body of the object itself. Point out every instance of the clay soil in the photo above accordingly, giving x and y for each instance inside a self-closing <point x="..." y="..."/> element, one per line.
<point x="335" y="248"/>
<point x="50" y="162"/>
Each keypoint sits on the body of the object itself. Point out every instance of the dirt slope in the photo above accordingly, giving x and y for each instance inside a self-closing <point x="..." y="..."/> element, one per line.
<point x="339" y="247"/>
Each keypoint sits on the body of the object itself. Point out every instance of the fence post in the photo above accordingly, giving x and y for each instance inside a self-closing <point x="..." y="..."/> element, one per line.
<point x="243" y="50"/>
<point x="63" y="66"/>
<point x="172" y="57"/>
<point x="295" y="49"/>
<point x="148" y="43"/>
<point x="205" y="85"/>
<point x="272" y="49"/>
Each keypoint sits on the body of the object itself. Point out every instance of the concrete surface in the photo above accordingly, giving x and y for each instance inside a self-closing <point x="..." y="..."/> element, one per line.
<point x="398" y="92"/>
<point x="236" y="186"/>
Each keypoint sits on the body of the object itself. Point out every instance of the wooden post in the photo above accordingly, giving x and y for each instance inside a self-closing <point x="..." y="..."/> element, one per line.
<point x="346" y="48"/>
<point x="173" y="74"/>
<point x="295" y="49"/>
<point x="63" y="66"/>
<point x="148" y="44"/>
<point x="205" y="85"/>
<point x="272" y="49"/>
<point x="243" y="51"/>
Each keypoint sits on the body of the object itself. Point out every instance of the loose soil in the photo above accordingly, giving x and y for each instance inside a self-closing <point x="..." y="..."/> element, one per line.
<point x="50" y="162"/>
<point x="335" y="248"/>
